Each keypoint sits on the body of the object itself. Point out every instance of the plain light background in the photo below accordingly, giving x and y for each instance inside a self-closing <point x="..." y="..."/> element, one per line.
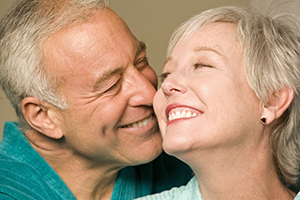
<point x="151" y="21"/>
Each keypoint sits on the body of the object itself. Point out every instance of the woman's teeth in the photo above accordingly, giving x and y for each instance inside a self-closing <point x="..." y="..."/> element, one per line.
<point x="183" y="114"/>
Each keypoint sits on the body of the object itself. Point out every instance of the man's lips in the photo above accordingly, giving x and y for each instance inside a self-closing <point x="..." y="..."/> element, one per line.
<point x="140" y="123"/>
<point x="180" y="111"/>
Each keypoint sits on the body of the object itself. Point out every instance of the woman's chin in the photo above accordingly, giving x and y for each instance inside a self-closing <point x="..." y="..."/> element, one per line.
<point x="176" y="148"/>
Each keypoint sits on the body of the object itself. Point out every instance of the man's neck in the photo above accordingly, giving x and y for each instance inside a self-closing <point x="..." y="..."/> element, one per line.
<point x="85" y="179"/>
<point x="89" y="183"/>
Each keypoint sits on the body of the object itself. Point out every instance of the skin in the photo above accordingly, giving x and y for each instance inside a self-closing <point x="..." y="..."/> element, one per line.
<point x="106" y="79"/>
<point x="224" y="142"/>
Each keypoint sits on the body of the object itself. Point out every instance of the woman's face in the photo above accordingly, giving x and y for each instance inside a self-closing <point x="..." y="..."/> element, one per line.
<point x="205" y="101"/>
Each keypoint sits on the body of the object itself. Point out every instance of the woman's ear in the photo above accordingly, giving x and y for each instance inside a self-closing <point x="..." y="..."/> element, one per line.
<point x="42" y="117"/>
<point x="278" y="104"/>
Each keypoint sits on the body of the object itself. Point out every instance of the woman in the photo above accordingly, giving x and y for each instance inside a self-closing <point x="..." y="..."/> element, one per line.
<point x="229" y="105"/>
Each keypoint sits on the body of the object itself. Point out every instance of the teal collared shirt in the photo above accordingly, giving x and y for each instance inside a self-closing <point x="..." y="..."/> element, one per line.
<point x="24" y="174"/>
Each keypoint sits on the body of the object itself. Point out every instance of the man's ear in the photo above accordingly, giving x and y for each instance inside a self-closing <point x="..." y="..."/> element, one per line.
<point x="278" y="104"/>
<point x="42" y="117"/>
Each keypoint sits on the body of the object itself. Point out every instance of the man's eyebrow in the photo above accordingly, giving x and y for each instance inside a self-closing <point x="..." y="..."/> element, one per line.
<point x="141" y="47"/>
<point x="106" y="75"/>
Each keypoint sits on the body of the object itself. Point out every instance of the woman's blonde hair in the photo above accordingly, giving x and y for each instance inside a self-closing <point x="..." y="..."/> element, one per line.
<point x="271" y="62"/>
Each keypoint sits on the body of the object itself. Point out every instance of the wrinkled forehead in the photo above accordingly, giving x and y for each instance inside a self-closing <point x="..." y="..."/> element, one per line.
<point x="88" y="44"/>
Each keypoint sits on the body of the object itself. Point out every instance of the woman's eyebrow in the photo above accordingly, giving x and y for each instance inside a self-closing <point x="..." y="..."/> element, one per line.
<point x="205" y="48"/>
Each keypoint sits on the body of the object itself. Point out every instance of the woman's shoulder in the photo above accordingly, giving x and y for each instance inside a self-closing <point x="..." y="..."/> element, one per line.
<point x="186" y="192"/>
<point x="297" y="197"/>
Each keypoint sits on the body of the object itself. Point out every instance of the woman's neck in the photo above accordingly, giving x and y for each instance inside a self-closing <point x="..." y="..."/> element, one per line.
<point x="246" y="171"/>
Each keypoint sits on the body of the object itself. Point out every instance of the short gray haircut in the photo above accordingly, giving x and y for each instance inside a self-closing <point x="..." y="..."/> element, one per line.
<point x="271" y="63"/>
<point x="23" y="31"/>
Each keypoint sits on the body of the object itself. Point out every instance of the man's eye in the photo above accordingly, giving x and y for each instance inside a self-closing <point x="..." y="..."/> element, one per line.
<point x="114" y="86"/>
<point x="142" y="63"/>
<point x="163" y="76"/>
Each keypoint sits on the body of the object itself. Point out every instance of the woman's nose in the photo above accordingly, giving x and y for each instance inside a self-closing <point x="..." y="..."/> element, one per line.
<point x="172" y="85"/>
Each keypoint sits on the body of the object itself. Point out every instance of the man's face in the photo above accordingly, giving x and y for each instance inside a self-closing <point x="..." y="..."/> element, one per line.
<point x="109" y="86"/>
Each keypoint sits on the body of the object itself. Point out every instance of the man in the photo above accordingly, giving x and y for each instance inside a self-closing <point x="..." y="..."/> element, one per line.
<point x="82" y="89"/>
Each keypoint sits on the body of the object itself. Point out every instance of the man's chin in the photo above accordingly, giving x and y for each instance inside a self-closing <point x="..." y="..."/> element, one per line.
<point x="148" y="154"/>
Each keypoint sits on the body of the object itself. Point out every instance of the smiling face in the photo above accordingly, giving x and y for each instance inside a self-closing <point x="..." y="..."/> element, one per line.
<point x="104" y="74"/>
<point x="205" y="101"/>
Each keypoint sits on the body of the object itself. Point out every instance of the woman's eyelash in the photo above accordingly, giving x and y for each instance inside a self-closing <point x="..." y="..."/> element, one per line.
<point x="199" y="65"/>
<point x="163" y="76"/>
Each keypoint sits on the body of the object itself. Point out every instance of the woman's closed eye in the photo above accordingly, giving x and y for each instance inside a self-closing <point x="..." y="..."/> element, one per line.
<point x="201" y="65"/>
<point x="163" y="76"/>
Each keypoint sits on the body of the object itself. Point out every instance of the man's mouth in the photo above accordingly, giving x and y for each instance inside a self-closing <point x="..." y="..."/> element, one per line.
<point x="140" y="123"/>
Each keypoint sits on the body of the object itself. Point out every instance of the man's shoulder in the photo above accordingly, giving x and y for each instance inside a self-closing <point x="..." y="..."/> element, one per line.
<point x="24" y="174"/>
<point x="20" y="181"/>
<point x="11" y="166"/>
<point x="13" y="154"/>
<point x="17" y="160"/>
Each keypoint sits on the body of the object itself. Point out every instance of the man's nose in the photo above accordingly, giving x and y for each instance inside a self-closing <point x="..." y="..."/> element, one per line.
<point x="142" y="90"/>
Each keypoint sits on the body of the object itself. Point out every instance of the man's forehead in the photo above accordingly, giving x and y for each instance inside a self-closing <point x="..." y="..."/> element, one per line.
<point x="87" y="44"/>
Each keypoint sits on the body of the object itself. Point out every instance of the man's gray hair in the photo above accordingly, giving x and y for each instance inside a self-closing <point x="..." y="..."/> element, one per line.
<point x="22" y="34"/>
